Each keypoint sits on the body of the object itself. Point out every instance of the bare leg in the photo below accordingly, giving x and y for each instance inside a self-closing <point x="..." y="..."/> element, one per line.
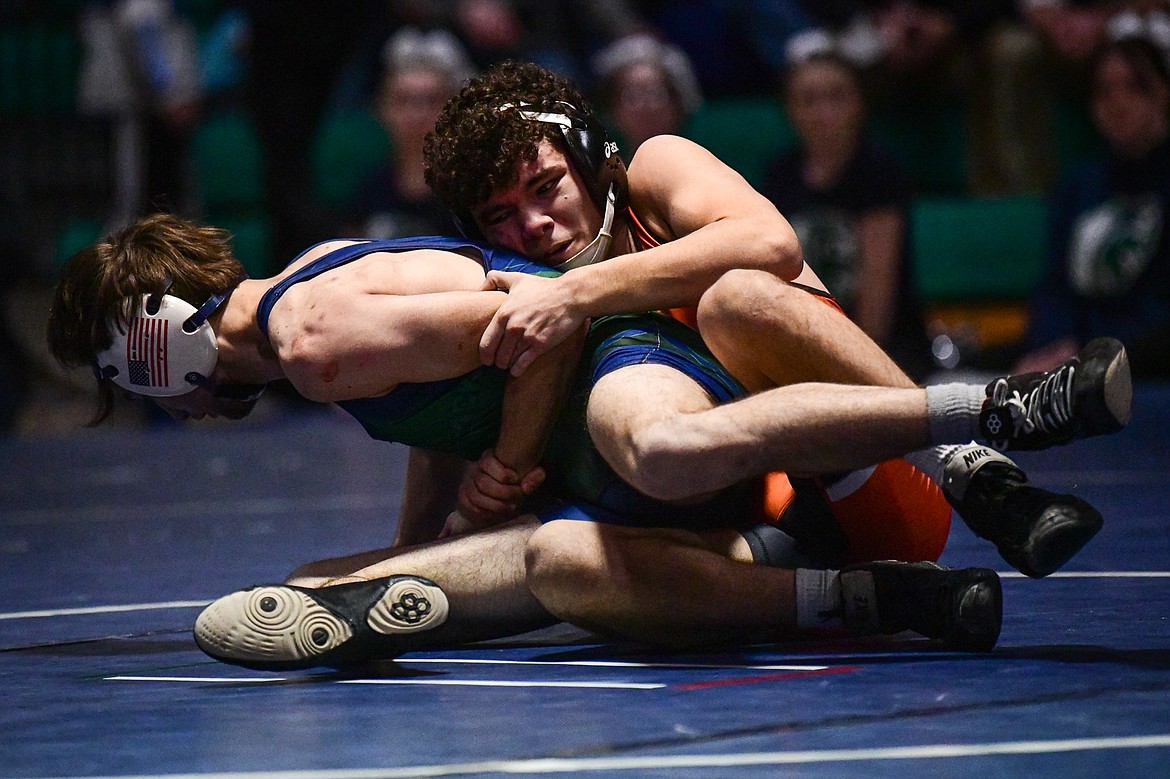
<point x="660" y="431"/>
<point x="657" y="585"/>
<point x="771" y="334"/>
<point x="482" y="575"/>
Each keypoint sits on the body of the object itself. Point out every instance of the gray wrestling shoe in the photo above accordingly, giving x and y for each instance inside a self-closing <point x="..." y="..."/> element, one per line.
<point x="1035" y="530"/>
<point x="962" y="607"/>
<point x="1090" y="394"/>
<point x="281" y="627"/>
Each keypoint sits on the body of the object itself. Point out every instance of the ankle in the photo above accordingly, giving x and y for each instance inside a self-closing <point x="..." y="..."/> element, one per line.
<point x="952" y="410"/>
<point x="818" y="599"/>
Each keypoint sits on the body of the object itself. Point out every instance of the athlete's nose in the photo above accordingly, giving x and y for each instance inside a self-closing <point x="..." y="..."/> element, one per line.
<point x="536" y="223"/>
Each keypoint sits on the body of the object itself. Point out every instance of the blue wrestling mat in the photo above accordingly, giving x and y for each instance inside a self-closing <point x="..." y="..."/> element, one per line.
<point x="111" y="542"/>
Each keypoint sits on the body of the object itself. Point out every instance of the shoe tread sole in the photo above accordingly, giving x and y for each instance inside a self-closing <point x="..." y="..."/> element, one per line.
<point x="280" y="627"/>
<point x="408" y="606"/>
<point x="269" y="624"/>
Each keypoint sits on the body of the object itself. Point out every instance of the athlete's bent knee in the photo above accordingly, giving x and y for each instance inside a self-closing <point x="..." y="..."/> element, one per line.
<point x="561" y="569"/>
<point x="662" y="462"/>
<point x="733" y="297"/>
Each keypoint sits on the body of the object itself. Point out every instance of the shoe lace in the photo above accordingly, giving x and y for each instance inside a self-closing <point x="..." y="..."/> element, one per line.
<point x="1046" y="407"/>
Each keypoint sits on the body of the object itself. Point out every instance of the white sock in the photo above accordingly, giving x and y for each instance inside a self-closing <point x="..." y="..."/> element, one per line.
<point x="953" y="411"/>
<point x="818" y="599"/>
<point x="965" y="464"/>
<point x="931" y="461"/>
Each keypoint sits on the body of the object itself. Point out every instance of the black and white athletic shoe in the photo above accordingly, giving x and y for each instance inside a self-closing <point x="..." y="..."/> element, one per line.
<point x="281" y="627"/>
<point x="961" y="607"/>
<point x="1035" y="530"/>
<point x="1090" y="394"/>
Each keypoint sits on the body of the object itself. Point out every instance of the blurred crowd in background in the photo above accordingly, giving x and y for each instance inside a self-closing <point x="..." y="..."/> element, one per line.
<point x="982" y="183"/>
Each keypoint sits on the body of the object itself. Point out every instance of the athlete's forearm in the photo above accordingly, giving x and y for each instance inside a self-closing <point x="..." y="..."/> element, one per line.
<point x="531" y="403"/>
<point x="428" y="495"/>
<point x="677" y="273"/>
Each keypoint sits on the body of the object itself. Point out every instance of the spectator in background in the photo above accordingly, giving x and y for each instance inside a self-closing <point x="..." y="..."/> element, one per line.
<point x="737" y="47"/>
<point x="1037" y="69"/>
<point x="559" y="36"/>
<point x="421" y="71"/>
<point x="848" y="201"/>
<point x="1072" y="29"/>
<point x="943" y="61"/>
<point x="1109" y="266"/>
<point x="914" y="39"/>
<point x="646" y="88"/>
<point x="141" y="67"/>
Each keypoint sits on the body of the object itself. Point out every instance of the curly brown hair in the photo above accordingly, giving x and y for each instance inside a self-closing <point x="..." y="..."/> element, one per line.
<point x="102" y="285"/>
<point x="476" y="148"/>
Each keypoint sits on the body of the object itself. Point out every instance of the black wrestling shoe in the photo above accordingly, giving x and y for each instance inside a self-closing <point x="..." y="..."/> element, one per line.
<point x="281" y="627"/>
<point x="1090" y="394"/>
<point x="1035" y="530"/>
<point x="962" y="607"/>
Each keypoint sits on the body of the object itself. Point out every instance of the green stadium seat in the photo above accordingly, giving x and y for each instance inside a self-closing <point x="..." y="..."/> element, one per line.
<point x="349" y="146"/>
<point x="968" y="249"/>
<point x="74" y="235"/>
<point x="746" y="133"/>
<point x="251" y="241"/>
<point x="228" y="162"/>
<point x="38" y="71"/>
<point x="930" y="139"/>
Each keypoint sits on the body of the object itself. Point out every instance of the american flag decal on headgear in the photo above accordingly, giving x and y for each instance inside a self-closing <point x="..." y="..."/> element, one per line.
<point x="146" y="352"/>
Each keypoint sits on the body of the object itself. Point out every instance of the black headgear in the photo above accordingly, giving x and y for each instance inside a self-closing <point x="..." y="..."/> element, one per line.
<point x="591" y="152"/>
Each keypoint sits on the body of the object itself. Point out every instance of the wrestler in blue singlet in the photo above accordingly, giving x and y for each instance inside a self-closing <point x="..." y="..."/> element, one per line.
<point x="461" y="415"/>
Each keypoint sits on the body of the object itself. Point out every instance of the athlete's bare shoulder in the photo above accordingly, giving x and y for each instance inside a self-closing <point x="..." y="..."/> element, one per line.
<point x="664" y="154"/>
<point x="387" y="272"/>
<point x="311" y="254"/>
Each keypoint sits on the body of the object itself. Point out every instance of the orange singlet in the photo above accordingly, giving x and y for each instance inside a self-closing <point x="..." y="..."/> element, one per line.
<point x="890" y="511"/>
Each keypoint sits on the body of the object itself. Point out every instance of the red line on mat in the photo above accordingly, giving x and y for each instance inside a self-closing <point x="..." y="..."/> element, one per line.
<point x="767" y="678"/>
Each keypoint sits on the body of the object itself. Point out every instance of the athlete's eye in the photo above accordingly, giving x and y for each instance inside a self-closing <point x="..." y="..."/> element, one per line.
<point x="494" y="218"/>
<point x="548" y="185"/>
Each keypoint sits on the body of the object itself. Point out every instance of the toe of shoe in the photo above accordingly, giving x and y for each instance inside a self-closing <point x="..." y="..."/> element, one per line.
<point x="270" y="628"/>
<point x="979" y="615"/>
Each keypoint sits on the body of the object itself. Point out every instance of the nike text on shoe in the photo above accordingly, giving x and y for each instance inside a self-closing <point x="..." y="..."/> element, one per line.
<point x="1090" y="394"/>
<point x="282" y="627"/>
<point x="1035" y="530"/>
<point x="962" y="607"/>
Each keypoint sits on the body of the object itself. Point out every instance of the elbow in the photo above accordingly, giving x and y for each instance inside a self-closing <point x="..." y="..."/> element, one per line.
<point x="780" y="251"/>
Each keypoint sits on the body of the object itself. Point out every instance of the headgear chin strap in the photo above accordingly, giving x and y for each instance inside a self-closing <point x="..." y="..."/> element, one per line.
<point x="168" y="349"/>
<point x="599" y="246"/>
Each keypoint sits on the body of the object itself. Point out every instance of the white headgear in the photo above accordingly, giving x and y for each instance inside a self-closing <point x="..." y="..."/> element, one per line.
<point x="168" y="349"/>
